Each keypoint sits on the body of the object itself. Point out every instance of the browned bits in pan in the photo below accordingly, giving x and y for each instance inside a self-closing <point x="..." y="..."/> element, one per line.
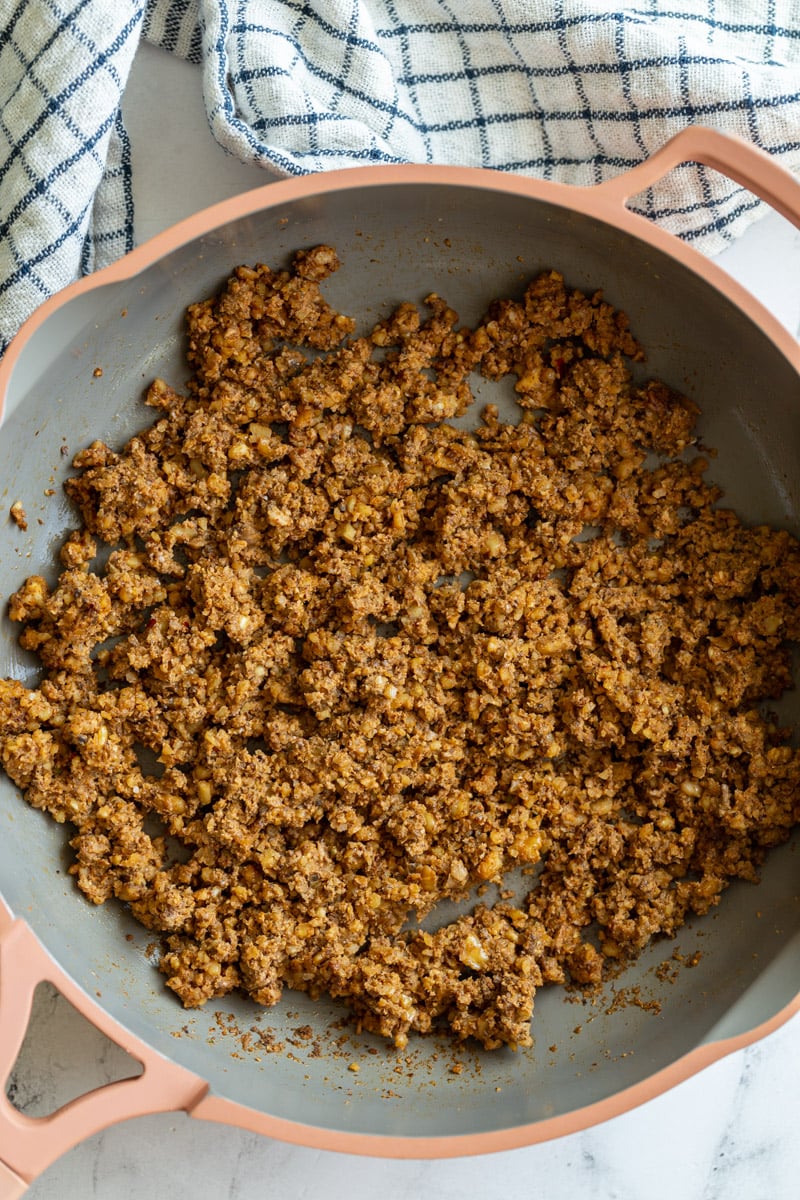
<point x="346" y="660"/>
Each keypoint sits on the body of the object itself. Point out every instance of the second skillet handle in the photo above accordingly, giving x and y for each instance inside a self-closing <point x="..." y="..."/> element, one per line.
<point x="28" y="1145"/>
<point x="738" y="160"/>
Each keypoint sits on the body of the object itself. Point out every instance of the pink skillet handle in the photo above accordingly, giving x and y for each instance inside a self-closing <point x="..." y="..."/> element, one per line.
<point x="29" y="1145"/>
<point x="740" y="161"/>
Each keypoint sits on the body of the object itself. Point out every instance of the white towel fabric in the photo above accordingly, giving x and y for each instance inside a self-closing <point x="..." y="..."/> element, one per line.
<point x="562" y="89"/>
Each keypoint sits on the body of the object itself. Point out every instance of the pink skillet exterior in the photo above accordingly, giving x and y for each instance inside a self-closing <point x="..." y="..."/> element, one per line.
<point x="28" y="1145"/>
<point x="606" y="203"/>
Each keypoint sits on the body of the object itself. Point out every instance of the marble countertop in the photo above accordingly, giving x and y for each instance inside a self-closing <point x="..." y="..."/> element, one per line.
<point x="730" y="1131"/>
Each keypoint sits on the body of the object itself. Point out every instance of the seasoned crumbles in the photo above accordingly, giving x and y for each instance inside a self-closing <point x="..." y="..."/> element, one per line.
<point x="345" y="660"/>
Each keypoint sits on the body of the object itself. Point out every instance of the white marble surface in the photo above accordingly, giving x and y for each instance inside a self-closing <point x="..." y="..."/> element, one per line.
<point x="729" y="1132"/>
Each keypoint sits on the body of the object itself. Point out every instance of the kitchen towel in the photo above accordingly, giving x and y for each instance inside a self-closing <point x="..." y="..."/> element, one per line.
<point x="569" y="90"/>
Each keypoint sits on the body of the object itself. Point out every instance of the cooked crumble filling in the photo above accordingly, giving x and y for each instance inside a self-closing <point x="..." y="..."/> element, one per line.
<point x="345" y="661"/>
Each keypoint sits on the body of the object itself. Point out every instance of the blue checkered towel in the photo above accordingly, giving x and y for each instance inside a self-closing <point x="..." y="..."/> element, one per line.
<point x="563" y="89"/>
